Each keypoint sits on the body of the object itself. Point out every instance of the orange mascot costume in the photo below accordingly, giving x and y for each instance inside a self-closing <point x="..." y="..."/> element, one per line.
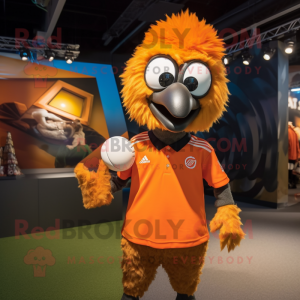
<point x="175" y="84"/>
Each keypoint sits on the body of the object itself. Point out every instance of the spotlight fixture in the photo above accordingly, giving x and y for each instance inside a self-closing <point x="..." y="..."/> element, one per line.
<point x="289" y="46"/>
<point x="24" y="54"/>
<point x="69" y="57"/>
<point x="49" y="55"/>
<point x="227" y="60"/>
<point x="246" y="58"/>
<point x="268" y="53"/>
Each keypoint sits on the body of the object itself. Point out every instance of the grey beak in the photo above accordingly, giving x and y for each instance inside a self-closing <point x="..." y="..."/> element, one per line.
<point x="177" y="99"/>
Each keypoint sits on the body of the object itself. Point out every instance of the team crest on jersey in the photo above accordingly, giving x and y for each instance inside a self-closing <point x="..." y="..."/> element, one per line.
<point x="190" y="162"/>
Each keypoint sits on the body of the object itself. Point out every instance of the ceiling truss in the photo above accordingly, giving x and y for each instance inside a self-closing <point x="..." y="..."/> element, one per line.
<point x="37" y="46"/>
<point x="265" y="36"/>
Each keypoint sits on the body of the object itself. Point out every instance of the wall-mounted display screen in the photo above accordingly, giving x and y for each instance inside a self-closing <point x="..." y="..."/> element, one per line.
<point x="68" y="102"/>
<point x="55" y="116"/>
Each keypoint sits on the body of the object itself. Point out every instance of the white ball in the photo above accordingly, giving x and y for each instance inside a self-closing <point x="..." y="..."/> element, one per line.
<point x="118" y="153"/>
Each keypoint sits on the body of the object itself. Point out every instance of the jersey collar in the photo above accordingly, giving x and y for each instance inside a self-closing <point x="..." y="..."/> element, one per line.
<point x="177" y="146"/>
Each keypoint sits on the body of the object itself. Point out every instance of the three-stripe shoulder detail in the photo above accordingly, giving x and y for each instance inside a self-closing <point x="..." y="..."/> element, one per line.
<point x="199" y="143"/>
<point x="141" y="137"/>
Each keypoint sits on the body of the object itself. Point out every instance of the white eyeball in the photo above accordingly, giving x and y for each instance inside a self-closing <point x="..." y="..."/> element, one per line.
<point x="197" y="78"/>
<point x="160" y="73"/>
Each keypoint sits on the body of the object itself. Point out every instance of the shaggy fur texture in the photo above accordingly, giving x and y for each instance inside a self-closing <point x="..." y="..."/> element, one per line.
<point x="95" y="187"/>
<point x="228" y="221"/>
<point x="183" y="267"/>
<point x="201" y="42"/>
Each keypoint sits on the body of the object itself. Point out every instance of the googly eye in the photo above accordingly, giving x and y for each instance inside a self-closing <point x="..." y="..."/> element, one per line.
<point x="160" y="73"/>
<point x="197" y="78"/>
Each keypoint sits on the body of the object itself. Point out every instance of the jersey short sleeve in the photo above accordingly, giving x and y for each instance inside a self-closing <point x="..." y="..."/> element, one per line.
<point x="213" y="172"/>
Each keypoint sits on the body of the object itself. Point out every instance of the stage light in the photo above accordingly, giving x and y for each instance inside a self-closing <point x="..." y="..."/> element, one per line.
<point x="295" y="90"/>
<point x="24" y="54"/>
<point x="246" y="58"/>
<point x="268" y="54"/>
<point x="227" y="60"/>
<point x="289" y="46"/>
<point x="49" y="55"/>
<point x="69" y="57"/>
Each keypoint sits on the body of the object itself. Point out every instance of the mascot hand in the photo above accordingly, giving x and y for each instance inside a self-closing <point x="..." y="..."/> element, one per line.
<point x="228" y="221"/>
<point x="95" y="187"/>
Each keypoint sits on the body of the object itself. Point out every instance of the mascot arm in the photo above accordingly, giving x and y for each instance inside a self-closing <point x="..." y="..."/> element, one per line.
<point x="223" y="196"/>
<point x="95" y="187"/>
<point x="117" y="183"/>
<point x="227" y="219"/>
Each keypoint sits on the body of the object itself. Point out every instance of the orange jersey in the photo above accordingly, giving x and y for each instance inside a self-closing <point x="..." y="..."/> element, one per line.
<point x="166" y="206"/>
<point x="294" y="149"/>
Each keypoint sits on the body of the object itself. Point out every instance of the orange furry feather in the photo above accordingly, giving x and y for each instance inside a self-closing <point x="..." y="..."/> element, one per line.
<point x="95" y="187"/>
<point x="228" y="221"/>
<point x="201" y="42"/>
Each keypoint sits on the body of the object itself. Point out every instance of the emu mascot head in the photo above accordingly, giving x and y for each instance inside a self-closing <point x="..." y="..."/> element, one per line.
<point x="176" y="78"/>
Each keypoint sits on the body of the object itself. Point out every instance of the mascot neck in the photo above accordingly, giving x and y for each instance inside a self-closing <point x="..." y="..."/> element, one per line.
<point x="167" y="136"/>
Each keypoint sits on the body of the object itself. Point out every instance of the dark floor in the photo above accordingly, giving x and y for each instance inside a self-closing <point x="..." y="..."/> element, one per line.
<point x="269" y="256"/>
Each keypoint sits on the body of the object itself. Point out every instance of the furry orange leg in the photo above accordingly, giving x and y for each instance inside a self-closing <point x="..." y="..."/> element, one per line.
<point x="95" y="187"/>
<point x="139" y="266"/>
<point x="183" y="266"/>
<point x="228" y="221"/>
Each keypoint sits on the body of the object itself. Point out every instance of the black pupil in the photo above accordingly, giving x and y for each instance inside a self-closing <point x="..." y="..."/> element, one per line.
<point x="191" y="83"/>
<point x="166" y="79"/>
